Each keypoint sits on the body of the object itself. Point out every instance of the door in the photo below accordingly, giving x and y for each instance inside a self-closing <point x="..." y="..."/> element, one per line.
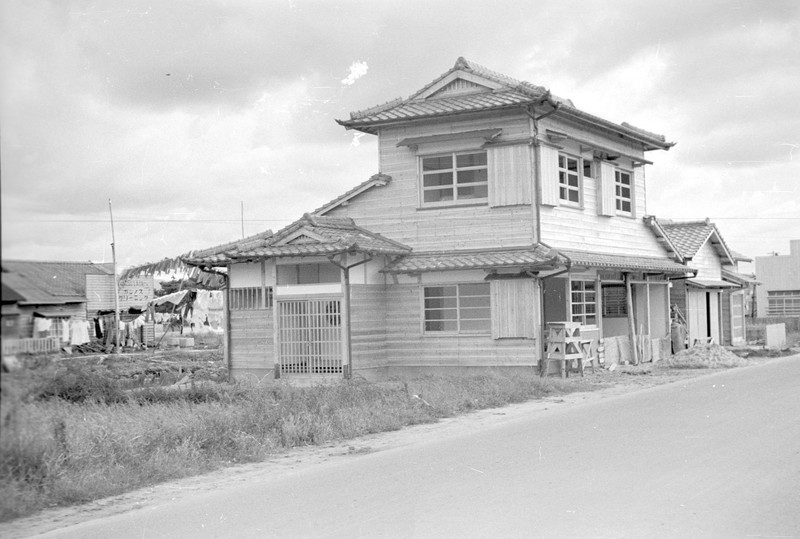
<point x="696" y="315"/>
<point x="737" y="318"/>
<point x="310" y="336"/>
<point x="714" y="326"/>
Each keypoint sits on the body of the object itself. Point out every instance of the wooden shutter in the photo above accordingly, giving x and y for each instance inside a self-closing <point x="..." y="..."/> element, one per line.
<point x="514" y="308"/>
<point x="510" y="175"/>
<point x="637" y="179"/>
<point x="606" y="202"/>
<point x="548" y="170"/>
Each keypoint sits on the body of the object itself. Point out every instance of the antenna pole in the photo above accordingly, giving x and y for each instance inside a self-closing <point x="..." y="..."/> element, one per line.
<point x="242" y="218"/>
<point x="116" y="284"/>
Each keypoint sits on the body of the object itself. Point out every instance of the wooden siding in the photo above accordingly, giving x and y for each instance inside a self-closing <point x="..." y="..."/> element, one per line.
<point x="582" y="229"/>
<point x="510" y="174"/>
<point x="251" y="340"/>
<point x="514" y="308"/>
<point x="406" y="346"/>
<point x="395" y="212"/>
<point x="707" y="263"/>
<point x="99" y="293"/>
<point x="368" y="325"/>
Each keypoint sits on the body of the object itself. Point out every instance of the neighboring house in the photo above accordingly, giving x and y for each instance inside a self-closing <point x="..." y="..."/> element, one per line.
<point x="714" y="300"/>
<point x="498" y="209"/>
<point x="52" y="291"/>
<point x="779" y="291"/>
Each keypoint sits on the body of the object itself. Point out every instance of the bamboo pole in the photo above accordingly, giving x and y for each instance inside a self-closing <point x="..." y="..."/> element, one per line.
<point x="116" y="284"/>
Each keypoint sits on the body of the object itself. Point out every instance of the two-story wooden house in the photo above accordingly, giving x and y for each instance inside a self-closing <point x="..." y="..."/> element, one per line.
<point x="498" y="208"/>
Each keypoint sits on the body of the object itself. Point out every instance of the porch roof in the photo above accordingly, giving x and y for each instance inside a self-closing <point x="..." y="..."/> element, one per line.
<point x="625" y="262"/>
<point x="536" y="257"/>
<point x="312" y="235"/>
<point x="710" y="283"/>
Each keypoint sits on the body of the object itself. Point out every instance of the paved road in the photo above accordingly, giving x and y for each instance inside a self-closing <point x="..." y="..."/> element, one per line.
<point x="717" y="456"/>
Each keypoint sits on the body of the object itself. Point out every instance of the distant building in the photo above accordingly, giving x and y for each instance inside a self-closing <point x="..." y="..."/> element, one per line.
<point x="779" y="291"/>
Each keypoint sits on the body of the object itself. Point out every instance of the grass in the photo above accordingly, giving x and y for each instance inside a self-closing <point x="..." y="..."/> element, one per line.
<point x="72" y="435"/>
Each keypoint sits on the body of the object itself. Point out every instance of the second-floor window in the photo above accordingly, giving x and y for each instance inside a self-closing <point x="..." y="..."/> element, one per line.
<point x="623" y="190"/>
<point x="454" y="178"/>
<point x="571" y="171"/>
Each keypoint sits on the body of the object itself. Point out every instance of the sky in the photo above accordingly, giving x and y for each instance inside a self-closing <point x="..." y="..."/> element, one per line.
<point x="199" y="120"/>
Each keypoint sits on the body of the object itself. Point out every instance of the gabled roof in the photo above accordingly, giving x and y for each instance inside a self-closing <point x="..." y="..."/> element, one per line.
<point x="688" y="237"/>
<point x="42" y="282"/>
<point x="536" y="257"/>
<point x="468" y="87"/>
<point x="308" y="236"/>
<point x="376" y="180"/>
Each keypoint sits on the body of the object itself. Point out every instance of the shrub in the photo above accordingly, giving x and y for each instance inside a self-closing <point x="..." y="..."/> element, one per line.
<point x="78" y="384"/>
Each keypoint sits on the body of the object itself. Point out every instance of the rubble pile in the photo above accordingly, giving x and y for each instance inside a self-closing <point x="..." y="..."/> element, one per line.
<point x="705" y="356"/>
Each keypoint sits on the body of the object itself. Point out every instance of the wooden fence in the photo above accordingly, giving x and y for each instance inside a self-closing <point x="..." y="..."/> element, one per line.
<point x="31" y="346"/>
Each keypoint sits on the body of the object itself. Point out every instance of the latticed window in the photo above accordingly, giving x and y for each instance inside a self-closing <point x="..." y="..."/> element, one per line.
<point x="783" y="303"/>
<point x="458" y="308"/>
<point x="623" y="190"/>
<point x="569" y="178"/>
<point x="584" y="302"/>
<point x="250" y="298"/>
<point x="454" y="178"/>
<point x="615" y="303"/>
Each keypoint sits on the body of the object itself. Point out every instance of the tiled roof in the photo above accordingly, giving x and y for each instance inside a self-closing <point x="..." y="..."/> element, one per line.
<point x="376" y="180"/>
<point x="51" y="282"/>
<point x="506" y="92"/>
<point x="689" y="236"/>
<point x="309" y="236"/>
<point x="624" y="262"/>
<point x="221" y="255"/>
<point x="535" y="257"/>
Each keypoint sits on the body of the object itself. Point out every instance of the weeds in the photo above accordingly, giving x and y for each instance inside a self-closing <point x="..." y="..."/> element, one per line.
<point x="79" y="436"/>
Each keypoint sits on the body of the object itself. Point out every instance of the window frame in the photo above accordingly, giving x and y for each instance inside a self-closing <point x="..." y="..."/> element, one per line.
<point x="619" y="306"/>
<point x="619" y="200"/>
<point x="454" y="169"/>
<point x="777" y="301"/>
<point x="583" y="315"/>
<point x="459" y="318"/>
<point x="250" y="298"/>
<point x="582" y="165"/>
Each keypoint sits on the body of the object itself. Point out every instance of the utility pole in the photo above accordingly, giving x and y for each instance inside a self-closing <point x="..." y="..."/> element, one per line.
<point x="116" y="285"/>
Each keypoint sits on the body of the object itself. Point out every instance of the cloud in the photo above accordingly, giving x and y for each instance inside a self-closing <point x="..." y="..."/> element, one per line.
<point x="357" y="70"/>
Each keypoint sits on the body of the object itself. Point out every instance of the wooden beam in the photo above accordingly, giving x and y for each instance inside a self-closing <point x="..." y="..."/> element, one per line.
<point x="631" y="322"/>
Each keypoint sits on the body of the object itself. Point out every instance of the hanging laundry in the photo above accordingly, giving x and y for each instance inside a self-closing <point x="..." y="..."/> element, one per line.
<point x="79" y="332"/>
<point x="41" y="325"/>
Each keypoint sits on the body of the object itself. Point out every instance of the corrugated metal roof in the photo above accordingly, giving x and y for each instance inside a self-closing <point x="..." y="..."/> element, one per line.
<point x="624" y="262"/>
<point x="51" y="282"/>
<point x="534" y="257"/>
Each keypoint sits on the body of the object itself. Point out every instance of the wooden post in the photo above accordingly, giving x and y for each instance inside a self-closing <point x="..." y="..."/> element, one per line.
<point x="631" y="323"/>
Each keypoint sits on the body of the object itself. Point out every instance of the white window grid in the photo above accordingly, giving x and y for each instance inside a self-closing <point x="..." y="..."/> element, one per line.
<point x="457" y="308"/>
<point x="783" y="302"/>
<point x="583" y="302"/>
<point x="456" y="183"/>
<point x="623" y="191"/>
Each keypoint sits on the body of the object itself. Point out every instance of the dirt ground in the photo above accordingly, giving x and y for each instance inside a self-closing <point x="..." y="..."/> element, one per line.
<point x="619" y="381"/>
